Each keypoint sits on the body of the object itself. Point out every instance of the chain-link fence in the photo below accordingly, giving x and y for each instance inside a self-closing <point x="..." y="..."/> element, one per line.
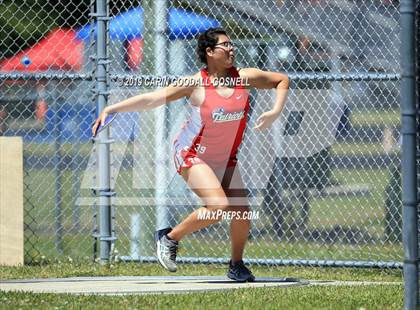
<point x="325" y="180"/>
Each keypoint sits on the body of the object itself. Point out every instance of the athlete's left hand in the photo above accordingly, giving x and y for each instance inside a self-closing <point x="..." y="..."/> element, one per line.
<point x="265" y="120"/>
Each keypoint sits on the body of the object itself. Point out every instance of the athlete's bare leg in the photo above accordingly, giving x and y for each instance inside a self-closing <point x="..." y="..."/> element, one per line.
<point x="212" y="189"/>
<point x="202" y="180"/>
<point x="239" y="228"/>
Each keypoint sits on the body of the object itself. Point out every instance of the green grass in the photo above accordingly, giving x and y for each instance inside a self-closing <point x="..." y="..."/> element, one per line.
<point x="343" y="297"/>
<point x="328" y="297"/>
<point x="359" y="149"/>
<point x="365" y="213"/>
<point x="368" y="117"/>
<point x="84" y="267"/>
<point x="76" y="247"/>
<point x="49" y="149"/>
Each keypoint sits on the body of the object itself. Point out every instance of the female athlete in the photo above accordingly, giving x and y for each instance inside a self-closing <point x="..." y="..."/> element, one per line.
<point x="205" y="151"/>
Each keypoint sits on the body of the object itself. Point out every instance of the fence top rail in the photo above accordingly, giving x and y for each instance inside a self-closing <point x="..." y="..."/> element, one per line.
<point x="25" y="76"/>
<point x="295" y="76"/>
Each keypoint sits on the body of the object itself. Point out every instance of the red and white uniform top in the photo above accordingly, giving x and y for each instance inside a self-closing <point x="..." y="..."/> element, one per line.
<point x="215" y="129"/>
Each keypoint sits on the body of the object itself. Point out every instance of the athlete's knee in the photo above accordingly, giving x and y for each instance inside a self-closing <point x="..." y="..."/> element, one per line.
<point x="223" y="208"/>
<point x="218" y="203"/>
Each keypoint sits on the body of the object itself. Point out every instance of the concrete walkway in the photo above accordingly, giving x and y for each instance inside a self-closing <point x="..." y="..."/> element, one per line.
<point x="152" y="284"/>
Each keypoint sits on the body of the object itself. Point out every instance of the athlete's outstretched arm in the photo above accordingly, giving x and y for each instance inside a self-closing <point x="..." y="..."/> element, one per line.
<point x="266" y="80"/>
<point x="147" y="101"/>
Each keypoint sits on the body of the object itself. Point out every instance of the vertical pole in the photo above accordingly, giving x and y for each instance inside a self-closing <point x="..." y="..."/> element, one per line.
<point x="144" y="147"/>
<point x="75" y="171"/>
<point x="160" y="50"/>
<point x="104" y="161"/>
<point x="58" y="128"/>
<point x="418" y="103"/>
<point x="409" y="168"/>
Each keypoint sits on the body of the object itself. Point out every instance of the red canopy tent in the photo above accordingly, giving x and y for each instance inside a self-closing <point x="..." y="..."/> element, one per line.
<point x="59" y="50"/>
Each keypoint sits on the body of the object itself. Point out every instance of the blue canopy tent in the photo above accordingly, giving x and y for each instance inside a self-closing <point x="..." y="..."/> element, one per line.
<point x="129" y="25"/>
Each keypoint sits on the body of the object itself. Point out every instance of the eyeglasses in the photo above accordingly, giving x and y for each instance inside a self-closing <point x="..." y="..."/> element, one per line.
<point x="226" y="44"/>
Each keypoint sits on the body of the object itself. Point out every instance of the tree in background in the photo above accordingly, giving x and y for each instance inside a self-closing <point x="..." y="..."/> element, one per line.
<point x="23" y="23"/>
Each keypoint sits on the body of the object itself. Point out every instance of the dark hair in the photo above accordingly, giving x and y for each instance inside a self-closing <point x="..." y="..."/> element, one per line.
<point x="208" y="39"/>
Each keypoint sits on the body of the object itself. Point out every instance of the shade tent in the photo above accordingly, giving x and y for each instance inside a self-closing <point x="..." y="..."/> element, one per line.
<point x="59" y="50"/>
<point x="129" y="25"/>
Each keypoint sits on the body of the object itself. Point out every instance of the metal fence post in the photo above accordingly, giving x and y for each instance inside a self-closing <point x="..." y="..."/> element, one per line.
<point x="409" y="167"/>
<point x="418" y="101"/>
<point x="160" y="48"/>
<point x="104" y="162"/>
<point x="58" y="159"/>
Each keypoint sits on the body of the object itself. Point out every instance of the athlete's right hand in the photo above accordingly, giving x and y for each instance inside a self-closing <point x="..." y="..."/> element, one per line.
<point x="266" y="120"/>
<point x="99" y="121"/>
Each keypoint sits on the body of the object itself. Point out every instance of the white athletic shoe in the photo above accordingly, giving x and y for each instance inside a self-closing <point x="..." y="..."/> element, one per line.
<point x="166" y="249"/>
